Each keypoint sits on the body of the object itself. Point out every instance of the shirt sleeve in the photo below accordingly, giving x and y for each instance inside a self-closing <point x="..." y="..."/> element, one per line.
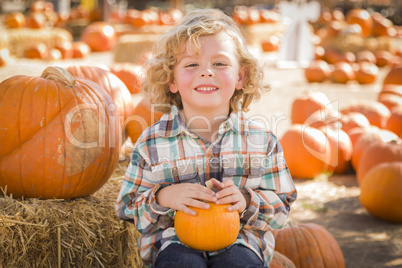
<point x="136" y="201"/>
<point x="270" y="203"/>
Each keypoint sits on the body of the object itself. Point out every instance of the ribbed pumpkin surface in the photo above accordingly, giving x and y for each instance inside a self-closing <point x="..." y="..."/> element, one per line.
<point x="309" y="245"/>
<point x="210" y="230"/>
<point x="57" y="138"/>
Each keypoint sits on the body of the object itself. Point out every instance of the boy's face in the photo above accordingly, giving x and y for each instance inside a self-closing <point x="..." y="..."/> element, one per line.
<point x="208" y="77"/>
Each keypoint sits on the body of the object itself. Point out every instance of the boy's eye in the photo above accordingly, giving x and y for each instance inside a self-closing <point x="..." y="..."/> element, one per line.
<point x="220" y="64"/>
<point x="191" y="65"/>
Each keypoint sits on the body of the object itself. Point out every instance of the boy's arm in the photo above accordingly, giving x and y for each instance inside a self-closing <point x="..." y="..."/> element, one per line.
<point x="268" y="208"/>
<point x="136" y="201"/>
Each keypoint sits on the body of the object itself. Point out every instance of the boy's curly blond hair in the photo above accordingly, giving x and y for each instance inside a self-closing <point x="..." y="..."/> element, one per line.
<point x="195" y="24"/>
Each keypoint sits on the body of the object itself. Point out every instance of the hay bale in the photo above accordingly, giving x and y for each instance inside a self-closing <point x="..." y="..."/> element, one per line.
<point x="82" y="232"/>
<point x="130" y="47"/>
<point x="18" y="40"/>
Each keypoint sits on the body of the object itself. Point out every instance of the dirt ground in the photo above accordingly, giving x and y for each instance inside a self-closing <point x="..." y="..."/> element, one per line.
<point x="332" y="202"/>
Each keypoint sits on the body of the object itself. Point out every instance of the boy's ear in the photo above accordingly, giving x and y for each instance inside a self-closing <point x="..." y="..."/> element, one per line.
<point x="173" y="88"/>
<point x="242" y="77"/>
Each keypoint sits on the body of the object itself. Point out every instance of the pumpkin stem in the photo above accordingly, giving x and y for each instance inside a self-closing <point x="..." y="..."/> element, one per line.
<point x="56" y="73"/>
<point x="209" y="184"/>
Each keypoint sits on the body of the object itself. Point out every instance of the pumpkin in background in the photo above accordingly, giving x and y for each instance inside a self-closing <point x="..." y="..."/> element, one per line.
<point x="81" y="49"/>
<point x="380" y="191"/>
<point x="37" y="51"/>
<point x="113" y="85"/>
<point x="341" y="149"/>
<point x="361" y="17"/>
<point x="394" y="122"/>
<point x="376" y="112"/>
<point x="270" y="44"/>
<point x="281" y="261"/>
<point x="100" y="36"/>
<point x="367" y="73"/>
<point x="324" y="117"/>
<point x="383" y="58"/>
<point x="309" y="245"/>
<point x="142" y="117"/>
<point x="66" y="48"/>
<point x="342" y="73"/>
<point x="369" y="136"/>
<point x="306" y="150"/>
<point x="36" y="20"/>
<point x="317" y="71"/>
<point x="15" y="20"/>
<point x="131" y="74"/>
<point x="394" y="76"/>
<point x="353" y="120"/>
<point x="366" y="56"/>
<point x="210" y="230"/>
<point x="376" y="153"/>
<point x="390" y="95"/>
<point x="58" y="139"/>
<point x="306" y="104"/>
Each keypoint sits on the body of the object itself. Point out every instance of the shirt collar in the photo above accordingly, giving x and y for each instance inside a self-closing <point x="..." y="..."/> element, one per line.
<point x="171" y="124"/>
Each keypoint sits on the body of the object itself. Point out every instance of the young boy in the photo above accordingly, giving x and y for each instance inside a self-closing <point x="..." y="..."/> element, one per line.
<point x="203" y="78"/>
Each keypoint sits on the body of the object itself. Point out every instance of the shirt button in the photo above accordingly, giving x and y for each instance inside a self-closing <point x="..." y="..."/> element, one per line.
<point x="246" y="166"/>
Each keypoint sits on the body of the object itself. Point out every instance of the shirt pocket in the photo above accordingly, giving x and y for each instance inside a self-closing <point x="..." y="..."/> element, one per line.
<point x="178" y="171"/>
<point x="246" y="170"/>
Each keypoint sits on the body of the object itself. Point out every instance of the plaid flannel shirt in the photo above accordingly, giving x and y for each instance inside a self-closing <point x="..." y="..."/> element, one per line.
<point x="168" y="153"/>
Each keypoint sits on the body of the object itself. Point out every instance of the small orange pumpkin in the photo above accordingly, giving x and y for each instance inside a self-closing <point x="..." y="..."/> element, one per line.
<point x="361" y="17"/>
<point x="15" y="20"/>
<point x="210" y="230"/>
<point x="367" y="73"/>
<point x="380" y="191"/>
<point x="394" y="76"/>
<point x="131" y="74"/>
<point x="100" y="36"/>
<point x="281" y="261"/>
<point x="343" y="72"/>
<point x="317" y="71"/>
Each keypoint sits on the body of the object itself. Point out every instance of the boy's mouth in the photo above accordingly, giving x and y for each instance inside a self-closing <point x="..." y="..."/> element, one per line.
<point x="206" y="89"/>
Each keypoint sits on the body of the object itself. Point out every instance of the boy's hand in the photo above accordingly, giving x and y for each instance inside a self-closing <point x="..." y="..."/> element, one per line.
<point x="181" y="196"/>
<point x="229" y="193"/>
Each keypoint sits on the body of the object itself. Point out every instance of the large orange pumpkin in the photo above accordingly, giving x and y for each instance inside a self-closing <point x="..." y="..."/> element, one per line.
<point x="341" y="149"/>
<point x="380" y="191"/>
<point x="58" y="139"/>
<point x="390" y="95"/>
<point x="210" y="230"/>
<point x="112" y="84"/>
<point x="376" y="112"/>
<point x="306" y="150"/>
<point x="131" y="74"/>
<point x="309" y="245"/>
<point x="143" y="116"/>
<point x="353" y="120"/>
<point x="370" y="135"/>
<point x="376" y="153"/>
<point x="100" y="36"/>
<point x="394" y="122"/>
<point x="306" y="104"/>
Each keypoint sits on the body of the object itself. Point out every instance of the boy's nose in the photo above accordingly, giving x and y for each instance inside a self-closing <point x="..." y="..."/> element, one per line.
<point x="207" y="73"/>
